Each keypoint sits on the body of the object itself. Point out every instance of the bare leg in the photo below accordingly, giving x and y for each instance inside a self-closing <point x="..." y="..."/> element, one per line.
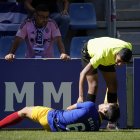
<point x="16" y="117"/>
<point x="92" y="80"/>
<point x="92" y="83"/>
<point x="26" y="112"/>
<point x="111" y="82"/>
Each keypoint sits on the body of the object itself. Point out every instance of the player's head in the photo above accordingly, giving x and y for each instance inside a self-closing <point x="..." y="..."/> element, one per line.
<point x="123" y="56"/>
<point x="110" y="111"/>
<point x="41" y="14"/>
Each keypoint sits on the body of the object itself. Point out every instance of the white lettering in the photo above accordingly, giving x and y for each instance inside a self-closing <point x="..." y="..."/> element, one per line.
<point x="65" y="90"/>
<point x="76" y="127"/>
<point x="91" y="123"/>
<point x="27" y="90"/>
<point x="11" y="90"/>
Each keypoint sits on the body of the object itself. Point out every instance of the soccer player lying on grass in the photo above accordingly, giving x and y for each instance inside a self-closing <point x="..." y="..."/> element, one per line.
<point x="78" y="117"/>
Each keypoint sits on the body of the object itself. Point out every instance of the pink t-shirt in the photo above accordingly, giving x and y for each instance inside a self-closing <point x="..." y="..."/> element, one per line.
<point x="39" y="41"/>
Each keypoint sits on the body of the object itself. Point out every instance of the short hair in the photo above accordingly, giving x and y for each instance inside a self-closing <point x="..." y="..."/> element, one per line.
<point x="125" y="54"/>
<point x="113" y="113"/>
<point x="42" y="7"/>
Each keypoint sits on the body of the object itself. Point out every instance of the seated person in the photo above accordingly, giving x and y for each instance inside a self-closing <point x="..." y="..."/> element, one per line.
<point x="78" y="117"/>
<point x="39" y="32"/>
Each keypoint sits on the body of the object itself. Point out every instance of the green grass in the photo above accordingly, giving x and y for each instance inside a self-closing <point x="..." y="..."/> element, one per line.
<point x="43" y="135"/>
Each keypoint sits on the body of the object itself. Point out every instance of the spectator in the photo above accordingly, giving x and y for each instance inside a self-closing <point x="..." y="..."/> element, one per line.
<point x="39" y="32"/>
<point x="58" y="12"/>
<point x="77" y="117"/>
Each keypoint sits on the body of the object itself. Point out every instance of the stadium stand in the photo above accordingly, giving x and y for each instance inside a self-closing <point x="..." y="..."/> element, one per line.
<point x="82" y="16"/>
<point x="5" y="45"/>
<point x="128" y="22"/>
<point x="76" y="44"/>
<point x="11" y="15"/>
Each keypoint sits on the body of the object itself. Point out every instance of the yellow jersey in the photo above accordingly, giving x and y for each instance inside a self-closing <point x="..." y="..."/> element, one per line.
<point x="104" y="49"/>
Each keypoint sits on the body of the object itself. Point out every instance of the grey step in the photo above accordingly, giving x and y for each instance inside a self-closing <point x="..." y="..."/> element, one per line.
<point x="127" y="4"/>
<point x="128" y="24"/>
<point x="120" y="24"/>
<point x="136" y="49"/>
<point x="128" y="14"/>
<point x="133" y="37"/>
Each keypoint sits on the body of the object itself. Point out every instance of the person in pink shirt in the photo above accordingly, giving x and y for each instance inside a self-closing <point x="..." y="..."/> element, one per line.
<point x="40" y="33"/>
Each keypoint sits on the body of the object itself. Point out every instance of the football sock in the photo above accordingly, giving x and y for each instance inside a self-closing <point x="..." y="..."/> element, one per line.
<point x="112" y="97"/>
<point x="12" y="119"/>
<point x="91" y="97"/>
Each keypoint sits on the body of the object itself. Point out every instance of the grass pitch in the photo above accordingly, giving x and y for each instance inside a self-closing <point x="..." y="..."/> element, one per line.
<point x="43" y="135"/>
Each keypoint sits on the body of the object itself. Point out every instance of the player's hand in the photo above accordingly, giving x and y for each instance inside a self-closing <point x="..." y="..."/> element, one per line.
<point x="80" y="100"/>
<point x="69" y="108"/>
<point x="9" y="57"/>
<point x="64" y="56"/>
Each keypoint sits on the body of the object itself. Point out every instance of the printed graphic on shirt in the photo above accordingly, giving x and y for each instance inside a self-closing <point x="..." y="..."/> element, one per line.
<point x="39" y="42"/>
<point x="38" y="47"/>
<point x="76" y="127"/>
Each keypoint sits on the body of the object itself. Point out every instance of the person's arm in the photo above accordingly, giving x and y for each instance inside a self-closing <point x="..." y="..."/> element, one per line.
<point x="87" y="70"/>
<point x="65" y="8"/>
<point x="28" y="6"/>
<point x="11" y="55"/>
<point x="61" y="48"/>
<point x="74" y="106"/>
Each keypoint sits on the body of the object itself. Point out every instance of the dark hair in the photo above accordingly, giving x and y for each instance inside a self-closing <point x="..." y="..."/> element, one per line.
<point x="42" y="7"/>
<point x="125" y="54"/>
<point x="113" y="113"/>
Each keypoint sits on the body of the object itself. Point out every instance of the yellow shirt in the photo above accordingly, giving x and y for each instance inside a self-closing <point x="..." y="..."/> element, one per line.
<point x="103" y="50"/>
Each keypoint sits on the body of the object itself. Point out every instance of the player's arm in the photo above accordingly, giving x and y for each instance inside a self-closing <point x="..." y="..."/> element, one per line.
<point x="87" y="70"/>
<point x="11" y="55"/>
<point x="87" y="104"/>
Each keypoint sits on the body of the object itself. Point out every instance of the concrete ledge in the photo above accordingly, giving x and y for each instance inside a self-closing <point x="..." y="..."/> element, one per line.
<point x="128" y="24"/>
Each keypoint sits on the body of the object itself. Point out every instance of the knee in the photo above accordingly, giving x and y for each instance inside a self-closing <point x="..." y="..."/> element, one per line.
<point x="23" y="112"/>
